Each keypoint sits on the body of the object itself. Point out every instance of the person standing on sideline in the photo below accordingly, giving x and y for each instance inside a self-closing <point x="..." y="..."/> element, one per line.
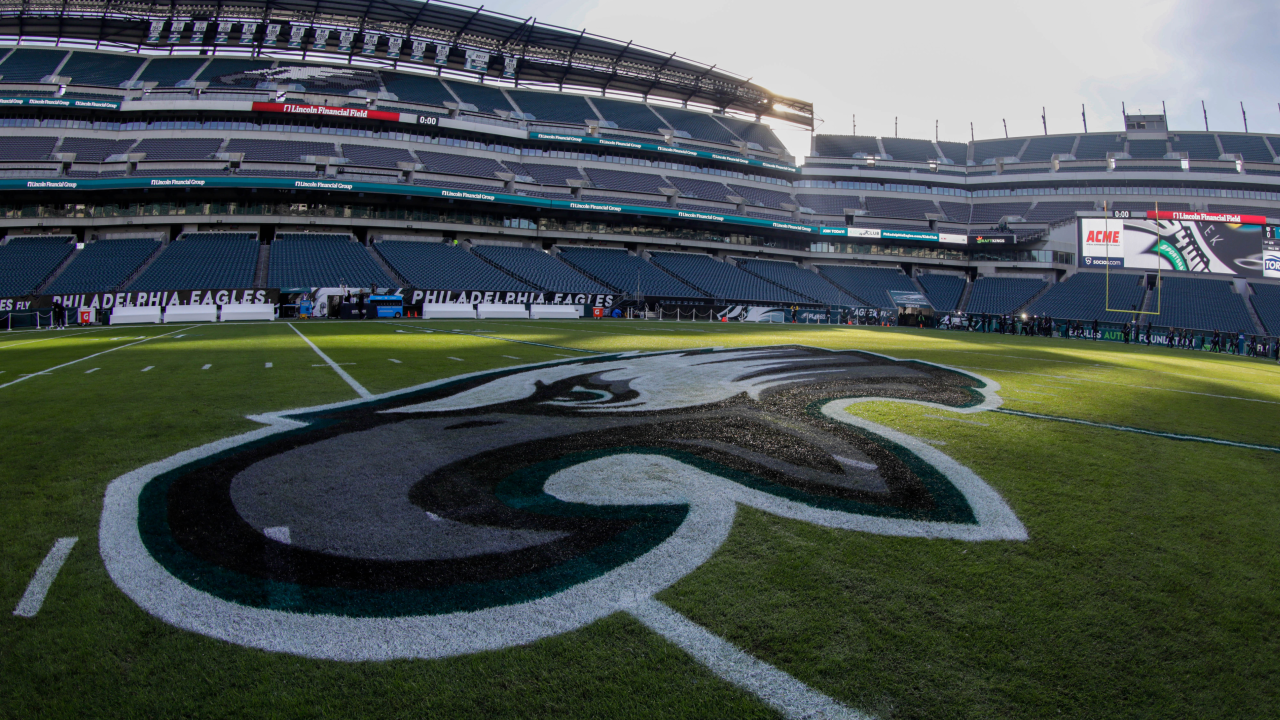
<point x="1095" y="328"/>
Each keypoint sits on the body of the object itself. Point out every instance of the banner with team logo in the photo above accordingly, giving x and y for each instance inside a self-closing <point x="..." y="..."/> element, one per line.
<point x="163" y="298"/>
<point x="1202" y="246"/>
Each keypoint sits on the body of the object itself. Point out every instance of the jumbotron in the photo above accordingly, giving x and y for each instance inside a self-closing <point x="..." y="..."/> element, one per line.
<point x="267" y="163"/>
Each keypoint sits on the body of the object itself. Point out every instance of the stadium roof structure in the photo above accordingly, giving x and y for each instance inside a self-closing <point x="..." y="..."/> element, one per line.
<point x="546" y="55"/>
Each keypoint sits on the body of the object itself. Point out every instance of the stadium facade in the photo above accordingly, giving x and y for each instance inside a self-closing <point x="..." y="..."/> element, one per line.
<point x="156" y="149"/>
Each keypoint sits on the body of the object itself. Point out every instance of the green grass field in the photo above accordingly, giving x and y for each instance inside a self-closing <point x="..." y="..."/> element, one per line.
<point x="1147" y="587"/>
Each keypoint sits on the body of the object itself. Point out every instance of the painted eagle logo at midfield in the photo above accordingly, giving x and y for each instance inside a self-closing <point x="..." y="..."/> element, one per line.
<point x="497" y="508"/>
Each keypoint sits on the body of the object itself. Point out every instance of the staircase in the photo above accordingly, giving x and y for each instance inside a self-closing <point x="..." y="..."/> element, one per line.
<point x="386" y="267"/>
<point x="963" y="302"/>
<point x="1253" y="314"/>
<point x="56" y="272"/>
<point x="143" y="267"/>
<point x="264" y="263"/>
<point x="1034" y="298"/>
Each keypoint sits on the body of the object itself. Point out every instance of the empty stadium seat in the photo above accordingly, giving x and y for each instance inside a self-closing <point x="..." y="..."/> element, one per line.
<point x="844" y="145"/>
<point x="907" y="149"/>
<point x="629" y="115"/>
<point x="1042" y="149"/>
<point x="798" y="280"/>
<point x="94" y="149"/>
<point x="992" y="212"/>
<point x="417" y="89"/>
<point x="167" y="72"/>
<point x="700" y="189"/>
<point x="957" y="153"/>
<point x="202" y="261"/>
<point x="178" y="148"/>
<point x="722" y="280"/>
<point x="761" y="196"/>
<point x="1202" y="304"/>
<point x="1052" y="211"/>
<point x="30" y="65"/>
<point x="487" y="99"/>
<point x="625" y="272"/>
<point x="376" y="156"/>
<point x="1084" y="296"/>
<point x="26" y="147"/>
<point x="943" y="290"/>
<point x="871" y="285"/>
<point x="25" y="262"/>
<point x="440" y="266"/>
<point x="1197" y="146"/>
<point x="538" y="269"/>
<point x="1266" y="301"/>
<point x="900" y="207"/>
<point x="279" y="150"/>
<point x="626" y="181"/>
<point x="92" y="68"/>
<point x="323" y="260"/>
<point x="999" y="296"/>
<point x="552" y="107"/>
<point x="698" y="125"/>
<point x="452" y="164"/>
<point x="829" y="204"/>
<point x="101" y="266"/>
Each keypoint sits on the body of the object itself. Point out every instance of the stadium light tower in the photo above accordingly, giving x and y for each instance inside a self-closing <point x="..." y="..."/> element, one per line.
<point x="1244" y="116"/>
<point x="1206" y="116"/>
<point x="1006" y="128"/>
<point x="1083" y="118"/>
<point x="1044" y="120"/>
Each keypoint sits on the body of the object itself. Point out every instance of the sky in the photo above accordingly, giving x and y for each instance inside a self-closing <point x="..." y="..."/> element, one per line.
<point x="982" y="62"/>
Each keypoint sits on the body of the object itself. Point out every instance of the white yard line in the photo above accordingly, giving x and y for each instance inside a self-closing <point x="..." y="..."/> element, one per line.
<point x="33" y="598"/>
<point x="394" y="361"/>
<point x="145" y="369"/>
<point x="86" y="372"/>
<point x="782" y="692"/>
<point x="454" y="358"/>
<point x="87" y="357"/>
<point x="341" y="373"/>
<point x="511" y="357"/>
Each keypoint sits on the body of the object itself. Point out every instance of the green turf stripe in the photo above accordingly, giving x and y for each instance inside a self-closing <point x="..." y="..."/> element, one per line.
<point x="487" y="336"/>
<point x="1126" y="428"/>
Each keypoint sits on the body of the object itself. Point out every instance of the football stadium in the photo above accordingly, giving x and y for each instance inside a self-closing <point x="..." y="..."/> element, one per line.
<point x="402" y="359"/>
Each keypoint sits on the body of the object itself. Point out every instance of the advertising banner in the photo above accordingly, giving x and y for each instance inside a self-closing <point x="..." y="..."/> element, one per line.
<point x="636" y="145"/>
<point x="1271" y="258"/>
<point x="907" y="299"/>
<point x="1197" y="217"/>
<point x="62" y="102"/>
<point x="1182" y="245"/>
<point x="347" y="112"/>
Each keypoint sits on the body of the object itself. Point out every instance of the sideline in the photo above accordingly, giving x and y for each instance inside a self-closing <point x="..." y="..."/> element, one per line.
<point x="1140" y="431"/>
<point x="341" y="373"/>
<point x="89" y="357"/>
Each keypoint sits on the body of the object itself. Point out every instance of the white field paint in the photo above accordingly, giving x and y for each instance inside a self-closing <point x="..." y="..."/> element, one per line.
<point x="454" y="358"/>
<point x="86" y="372"/>
<point x="1140" y="431"/>
<point x="394" y="360"/>
<point x="87" y="357"/>
<point x="268" y="365"/>
<point x="776" y="688"/>
<point x="341" y="373"/>
<point x="511" y="357"/>
<point x="38" y="588"/>
<point x="624" y="478"/>
<point x="147" y="368"/>
<point x="206" y="367"/>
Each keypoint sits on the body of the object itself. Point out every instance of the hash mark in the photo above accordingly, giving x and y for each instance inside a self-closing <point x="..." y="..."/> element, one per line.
<point x="512" y="357"/>
<point x="394" y="360"/>
<point x="268" y="364"/>
<point x="206" y="367"/>
<point x="86" y="372"/>
<point x="147" y="368"/>
<point x="454" y="358"/>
